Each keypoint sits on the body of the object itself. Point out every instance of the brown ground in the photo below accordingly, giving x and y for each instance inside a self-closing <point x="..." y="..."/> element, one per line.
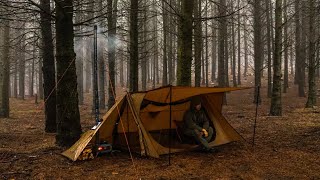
<point x="287" y="147"/>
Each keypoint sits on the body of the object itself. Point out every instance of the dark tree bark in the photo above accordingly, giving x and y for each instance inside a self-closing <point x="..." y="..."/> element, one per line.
<point x="144" y="48"/>
<point x="80" y="58"/>
<point x="41" y="88"/>
<point x="222" y="41"/>
<point x="5" y="71"/>
<point x="286" y="48"/>
<point x="276" y="106"/>
<point x="207" y="53"/>
<point x="258" y="51"/>
<point x="239" y="45"/>
<point x="121" y="68"/>
<point x="134" y="58"/>
<point x="89" y="53"/>
<point x="312" y="93"/>
<point x="31" y="78"/>
<point x="245" y="39"/>
<point x="234" y="64"/>
<point x="112" y="21"/>
<point x="213" y="51"/>
<point x="197" y="42"/>
<point x="68" y="116"/>
<point x="22" y="66"/>
<point x="165" y="55"/>
<point x="155" y="46"/>
<point x="269" y="50"/>
<point x="299" y="59"/>
<point x="15" y="78"/>
<point x="185" y="45"/>
<point x="48" y="68"/>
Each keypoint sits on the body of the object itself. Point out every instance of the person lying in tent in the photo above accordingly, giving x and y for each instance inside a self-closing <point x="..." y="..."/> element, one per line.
<point x="196" y="124"/>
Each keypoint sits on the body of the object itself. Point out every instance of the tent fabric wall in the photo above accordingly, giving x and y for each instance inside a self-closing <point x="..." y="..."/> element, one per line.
<point x="126" y="118"/>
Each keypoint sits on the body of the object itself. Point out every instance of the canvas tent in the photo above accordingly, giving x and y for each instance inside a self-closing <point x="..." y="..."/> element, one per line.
<point x="141" y="121"/>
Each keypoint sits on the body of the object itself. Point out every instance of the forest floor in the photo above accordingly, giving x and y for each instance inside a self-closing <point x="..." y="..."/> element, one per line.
<point x="286" y="147"/>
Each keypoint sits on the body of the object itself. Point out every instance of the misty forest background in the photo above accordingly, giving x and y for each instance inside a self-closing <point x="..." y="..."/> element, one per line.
<point x="47" y="50"/>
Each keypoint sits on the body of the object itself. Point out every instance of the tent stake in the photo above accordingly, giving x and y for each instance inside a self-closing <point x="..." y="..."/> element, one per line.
<point x="255" y="120"/>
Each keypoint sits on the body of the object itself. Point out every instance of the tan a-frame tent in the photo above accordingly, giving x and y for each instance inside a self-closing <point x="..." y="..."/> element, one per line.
<point x="141" y="121"/>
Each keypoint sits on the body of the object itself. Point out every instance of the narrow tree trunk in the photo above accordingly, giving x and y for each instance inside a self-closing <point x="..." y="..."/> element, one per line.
<point x="89" y="54"/>
<point x="213" y="51"/>
<point x="258" y="50"/>
<point x="170" y="43"/>
<point x="222" y="41"/>
<point x="32" y="70"/>
<point x="22" y="67"/>
<point x="286" y="48"/>
<point x="239" y="46"/>
<point x="69" y="127"/>
<point x="207" y="54"/>
<point x="276" y="106"/>
<point x="312" y="94"/>
<point x="197" y="42"/>
<point x="144" y="48"/>
<point x="134" y="59"/>
<point x="234" y="65"/>
<point x="41" y="88"/>
<point x="15" y="78"/>
<point x="299" y="60"/>
<point x="155" y="46"/>
<point x="165" y="55"/>
<point x="5" y="71"/>
<point x="245" y="39"/>
<point x="269" y="50"/>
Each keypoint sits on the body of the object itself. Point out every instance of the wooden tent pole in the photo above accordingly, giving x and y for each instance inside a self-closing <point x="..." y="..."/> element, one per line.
<point x="170" y="126"/>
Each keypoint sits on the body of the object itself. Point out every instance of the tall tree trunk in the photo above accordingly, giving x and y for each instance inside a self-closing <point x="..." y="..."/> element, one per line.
<point x="22" y="66"/>
<point x="170" y="43"/>
<point x="155" y="46"/>
<point x="134" y="59"/>
<point x="165" y="55"/>
<point x="4" y="71"/>
<point x="68" y="120"/>
<point x="269" y="50"/>
<point x="32" y="70"/>
<point x="234" y="77"/>
<point x="48" y="68"/>
<point x="89" y="54"/>
<point x="258" y="51"/>
<point x="197" y="42"/>
<point x="245" y="39"/>
<point x="298" y="44"/>
<point x="79" y="41"/>
<point x="144" y="47"/>
<point x="121" y="58"/>
<point x="207" y="54"/>
<point x="213" y="51"/>
<point x="41" y="88"/>
<point x="276" y="106"/>
<point x="185" y="45"/>
<point x="312" y="94"/>
<point x="15" y="77"/>
<point x="286" y="48"/>
<point x="239" y="45"/>
<point x="80" y="51"/>
<point x="222" y="41"/>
